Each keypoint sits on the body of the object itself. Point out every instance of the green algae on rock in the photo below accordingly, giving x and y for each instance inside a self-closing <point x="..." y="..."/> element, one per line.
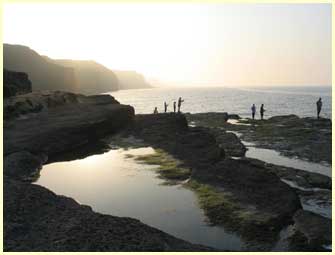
<point x="306" y="138"/>
<point x="169" y="167"/>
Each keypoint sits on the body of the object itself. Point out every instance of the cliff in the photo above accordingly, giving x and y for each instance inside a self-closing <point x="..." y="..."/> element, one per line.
<point x="43" y="74"/>
<point x="83" y="76"/>
<point x="131" y="80"/>
<point x="91" y="76"/>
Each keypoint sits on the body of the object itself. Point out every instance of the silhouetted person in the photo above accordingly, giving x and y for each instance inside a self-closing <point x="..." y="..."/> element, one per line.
<point x="155" y="110"/>
<point x="179" y="103"/>
<point x="253" y="111"/>
<point x="319" y="106"/>
<point x="174" y="106"/>
<point x="165" y="107"/>
<point x="262" y="110"/>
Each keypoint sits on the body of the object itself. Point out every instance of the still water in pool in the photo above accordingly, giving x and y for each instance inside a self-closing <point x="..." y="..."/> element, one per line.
<point x="112" y="183"/>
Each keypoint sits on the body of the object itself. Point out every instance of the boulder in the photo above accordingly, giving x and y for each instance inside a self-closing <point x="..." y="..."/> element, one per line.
<point x="312" y="231"/>
<point x="23" y="165"/>
<point x="233" y="117"/>
<point x="194" y="145"/>
<point x="231" y="144"/>
<point x="254" y="189"/>
<point x="15" y="83"/>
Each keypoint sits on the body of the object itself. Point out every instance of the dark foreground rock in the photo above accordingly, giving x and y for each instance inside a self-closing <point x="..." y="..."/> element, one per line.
<point x="35" y="219"/>
<point x="312" y="231"/>
<point x="263" y="203"/>
<point x="195" y="146"/>
<point x="15" y="83"/>
<point x="231" y="144"/>
<point x="70" y="124"/>
<point x="243" y="197"/>
<point x="301" y="178"/>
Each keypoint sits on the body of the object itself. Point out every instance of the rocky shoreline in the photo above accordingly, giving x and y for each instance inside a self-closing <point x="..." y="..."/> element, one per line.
<point x="249" y="196"/>
<point x="35" y="219"/>
<point x="305" y="138"/>
<point x="244" y="195"/>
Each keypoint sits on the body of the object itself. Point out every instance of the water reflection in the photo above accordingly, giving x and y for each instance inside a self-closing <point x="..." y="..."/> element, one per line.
<point x="274" y="157"/>
<point x="113" y="183"/>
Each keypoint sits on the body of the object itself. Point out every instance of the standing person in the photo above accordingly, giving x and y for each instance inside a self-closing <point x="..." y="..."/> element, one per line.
<point x="174" y="106"/>
<point x="262" y="110"/>
<point x="318" y="107"/>
<point x="155" y="110"/>
<point x="253" y="111"/>
<point x="165" y="107"/>
<point x="179" y="103"/>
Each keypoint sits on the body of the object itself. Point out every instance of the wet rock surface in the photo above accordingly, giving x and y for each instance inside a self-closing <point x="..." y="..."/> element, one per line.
<point x="35" y="219"/>
<point x="301" y="178"/>
<point x="257" y="203"/>
<point x="231" y="144"/>
<point x="312" y="231"/>
<point x="264" y="204"/>
<point x="306" y="138"/>
<point x="253" y="199"/>
<point x="195" y="146"/>
<point x="244" y="195"/>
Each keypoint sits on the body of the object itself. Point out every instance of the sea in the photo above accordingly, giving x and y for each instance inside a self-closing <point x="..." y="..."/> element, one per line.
<point x="300" y="101"/>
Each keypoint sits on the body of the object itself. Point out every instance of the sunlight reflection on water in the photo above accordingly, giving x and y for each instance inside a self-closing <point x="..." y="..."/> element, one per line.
<point x="115" y="184"/>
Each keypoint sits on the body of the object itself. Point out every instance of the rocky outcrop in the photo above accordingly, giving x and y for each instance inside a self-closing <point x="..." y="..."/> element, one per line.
<point x="36" y="102"/>
<point x="306" y="138"/>
<point x="301" y="178"/>
<point x="65" y="125"/>
<point x="43" y="74"/>
<point x="248" y="198"/>
<point x="15" y="83"/>
<point x="36" y="219"/>
<point x="171" y="133"/>
<point x="312" y="232"/>
<point x="42" y="101"/>
<point x="264" y="204"/>
<point x="231" y="144"/>
<point x="208" y="119"/>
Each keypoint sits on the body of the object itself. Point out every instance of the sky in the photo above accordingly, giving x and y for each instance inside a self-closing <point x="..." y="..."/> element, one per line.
<point x="184" y="44"/>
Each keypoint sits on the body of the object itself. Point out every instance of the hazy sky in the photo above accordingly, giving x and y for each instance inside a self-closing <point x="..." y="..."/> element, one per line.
<point x="228" y="44"/>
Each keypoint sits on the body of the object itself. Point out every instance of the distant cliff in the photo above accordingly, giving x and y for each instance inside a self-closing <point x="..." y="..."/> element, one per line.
<point x="131" y="80"/>
<point x="43" y="74"/>
<point x="81" y="76"/>
<point x="91" y="76"/>
<point x="15" y="83"/>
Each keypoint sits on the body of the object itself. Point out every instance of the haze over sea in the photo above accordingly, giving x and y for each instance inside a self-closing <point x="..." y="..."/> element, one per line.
<point x="300" y="101"/>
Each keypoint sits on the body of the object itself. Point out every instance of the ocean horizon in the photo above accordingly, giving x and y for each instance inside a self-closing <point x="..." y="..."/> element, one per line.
<point x="300" y="101"/>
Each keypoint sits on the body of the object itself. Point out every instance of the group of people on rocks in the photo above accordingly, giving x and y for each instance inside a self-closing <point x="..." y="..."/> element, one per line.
<point x="262" y="110"/>
<point x="180" y="101"/>
<point x="253" y="108"/>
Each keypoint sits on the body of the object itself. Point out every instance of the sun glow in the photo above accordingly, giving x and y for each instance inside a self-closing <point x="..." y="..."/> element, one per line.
<point x="227" y="44"/>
